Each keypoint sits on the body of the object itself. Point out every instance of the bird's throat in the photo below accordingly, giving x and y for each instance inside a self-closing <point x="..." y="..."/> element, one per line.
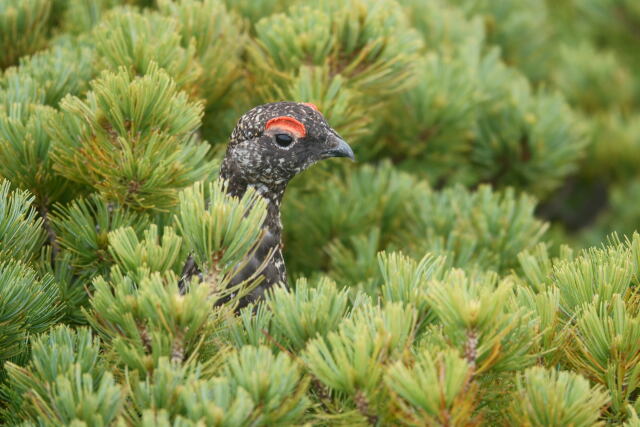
<point x="272" y="193"/>
<point x="269" y="250"/>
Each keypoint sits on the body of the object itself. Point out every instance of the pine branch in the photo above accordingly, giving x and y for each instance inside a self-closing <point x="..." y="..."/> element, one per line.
<point x="51" y="234"/>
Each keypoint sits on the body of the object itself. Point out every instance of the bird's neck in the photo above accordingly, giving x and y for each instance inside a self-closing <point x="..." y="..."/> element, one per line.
<point x="237" y="186"/>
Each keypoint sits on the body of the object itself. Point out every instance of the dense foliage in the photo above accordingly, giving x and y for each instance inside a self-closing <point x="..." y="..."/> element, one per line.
<point x="462" y="272"/>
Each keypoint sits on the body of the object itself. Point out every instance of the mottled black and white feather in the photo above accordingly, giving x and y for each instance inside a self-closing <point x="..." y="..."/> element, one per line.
<point x="270" y="145"/>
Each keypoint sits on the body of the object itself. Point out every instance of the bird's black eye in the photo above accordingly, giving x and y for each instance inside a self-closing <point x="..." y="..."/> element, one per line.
<point x="283" y="139"/>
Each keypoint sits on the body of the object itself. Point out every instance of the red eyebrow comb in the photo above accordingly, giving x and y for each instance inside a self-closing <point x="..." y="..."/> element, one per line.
<point x="314" y="106"/>
<point x="289" y="124"/>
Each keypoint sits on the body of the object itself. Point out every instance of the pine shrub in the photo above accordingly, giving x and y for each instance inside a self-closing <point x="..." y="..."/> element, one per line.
<point x="478" y="265"/>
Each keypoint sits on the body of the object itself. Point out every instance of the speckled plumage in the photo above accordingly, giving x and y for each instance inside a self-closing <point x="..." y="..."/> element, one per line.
<point x="255" y="159"/>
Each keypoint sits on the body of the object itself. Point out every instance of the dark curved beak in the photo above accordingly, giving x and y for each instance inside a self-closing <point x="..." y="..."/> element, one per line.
<point x="338" y="148"/>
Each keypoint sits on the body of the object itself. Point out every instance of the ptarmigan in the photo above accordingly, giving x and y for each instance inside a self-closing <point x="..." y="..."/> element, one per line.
<point x="270" y="145"/>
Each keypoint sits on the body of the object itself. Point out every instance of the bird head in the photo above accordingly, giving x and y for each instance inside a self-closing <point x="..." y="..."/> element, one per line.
<point x="272" y="143"/>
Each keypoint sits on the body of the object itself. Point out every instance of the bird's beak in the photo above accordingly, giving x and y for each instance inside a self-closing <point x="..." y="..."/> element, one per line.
<point x="338" y="148"/>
